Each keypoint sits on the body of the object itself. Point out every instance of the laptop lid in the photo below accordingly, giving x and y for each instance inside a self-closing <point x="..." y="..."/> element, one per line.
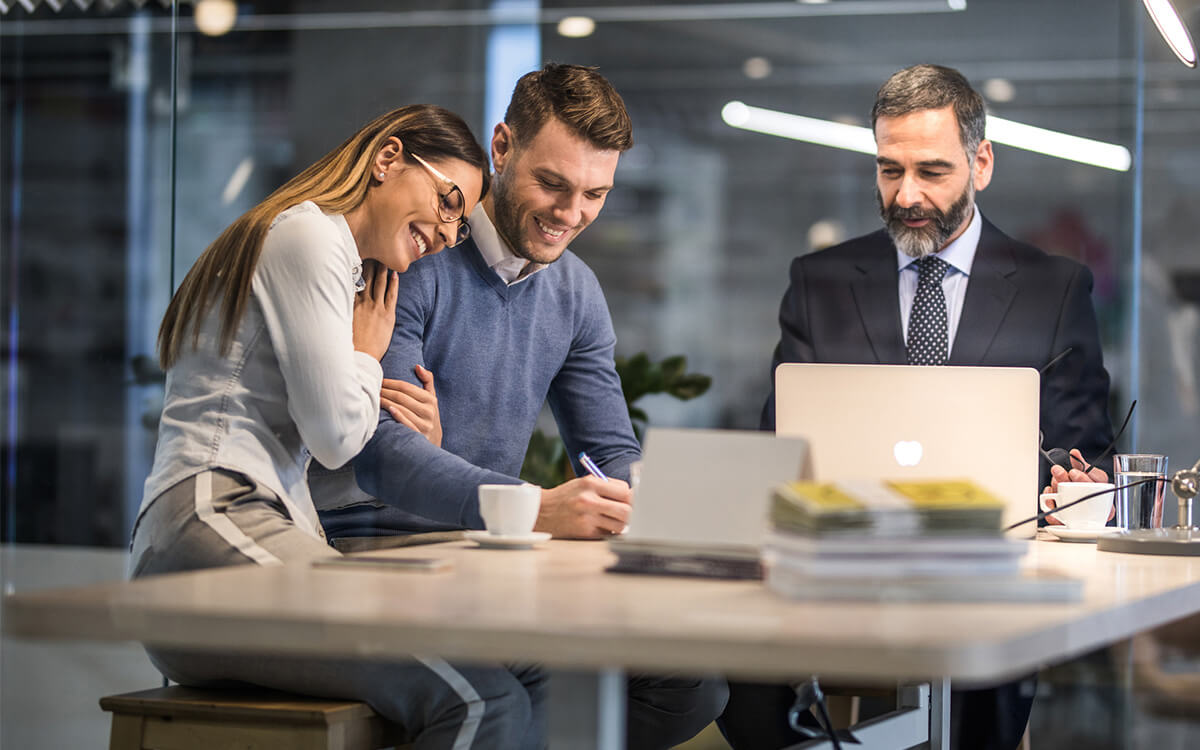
<point x="903" y="422"/>
<point x="709" y="489"/>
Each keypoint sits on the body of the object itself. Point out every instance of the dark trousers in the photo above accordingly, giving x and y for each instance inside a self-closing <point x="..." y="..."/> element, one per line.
<point x="991" y="718"/>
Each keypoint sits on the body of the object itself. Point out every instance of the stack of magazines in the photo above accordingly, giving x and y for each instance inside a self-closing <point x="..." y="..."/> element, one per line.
<point x="899" y="541"/>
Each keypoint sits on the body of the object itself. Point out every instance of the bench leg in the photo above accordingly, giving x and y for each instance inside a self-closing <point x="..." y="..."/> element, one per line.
<point x="126" y="732"/>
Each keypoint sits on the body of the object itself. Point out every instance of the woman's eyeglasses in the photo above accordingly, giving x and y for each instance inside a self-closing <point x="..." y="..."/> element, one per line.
<point x="451" y="204"/>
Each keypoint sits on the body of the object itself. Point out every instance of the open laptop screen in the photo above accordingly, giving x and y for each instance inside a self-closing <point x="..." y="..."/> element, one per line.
<point x="710" y="489"/>
<point x="904" y="422"/>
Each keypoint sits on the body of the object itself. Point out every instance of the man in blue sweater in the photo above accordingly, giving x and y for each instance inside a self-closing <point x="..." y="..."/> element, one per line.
<point x="506" y="321"/>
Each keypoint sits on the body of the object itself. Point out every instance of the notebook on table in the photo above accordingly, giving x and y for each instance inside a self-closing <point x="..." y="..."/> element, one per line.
<point x="897" y="422"/>
<point x="700" y="507"/>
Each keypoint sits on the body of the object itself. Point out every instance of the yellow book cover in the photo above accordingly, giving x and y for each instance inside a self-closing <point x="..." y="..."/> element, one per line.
<point x="954" y="493"/>
<point x="885" y="507"/>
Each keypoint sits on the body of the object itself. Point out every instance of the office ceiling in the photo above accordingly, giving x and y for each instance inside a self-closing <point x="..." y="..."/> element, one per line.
<point x="1067" y="64"/>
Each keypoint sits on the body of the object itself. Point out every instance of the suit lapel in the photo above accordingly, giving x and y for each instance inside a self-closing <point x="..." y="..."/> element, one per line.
<point x="878" y="298"/>
<point x="990" y="293"/>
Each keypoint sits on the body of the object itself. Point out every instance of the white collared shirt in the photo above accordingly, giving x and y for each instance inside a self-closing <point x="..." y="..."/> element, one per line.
<point x="495" y="252"/>
<point x="960" y="254"/>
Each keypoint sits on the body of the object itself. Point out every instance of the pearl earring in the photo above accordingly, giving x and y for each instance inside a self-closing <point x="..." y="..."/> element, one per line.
<point x="381" y="175"/>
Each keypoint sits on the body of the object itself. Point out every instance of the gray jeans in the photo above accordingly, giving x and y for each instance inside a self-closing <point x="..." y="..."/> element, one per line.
<point x="219" y="518"/>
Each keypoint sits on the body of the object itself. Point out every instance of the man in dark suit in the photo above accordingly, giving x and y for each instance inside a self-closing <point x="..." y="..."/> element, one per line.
<point x="941" y="285"/>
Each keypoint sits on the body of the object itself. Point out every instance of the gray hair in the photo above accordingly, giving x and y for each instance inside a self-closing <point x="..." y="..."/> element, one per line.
<point x="923" y="87"/>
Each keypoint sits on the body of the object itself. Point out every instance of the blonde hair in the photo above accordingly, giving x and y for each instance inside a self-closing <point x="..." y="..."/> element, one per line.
<point x="337" y="183"/>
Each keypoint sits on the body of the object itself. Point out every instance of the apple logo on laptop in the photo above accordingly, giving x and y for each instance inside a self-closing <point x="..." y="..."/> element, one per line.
<point x="907" y="452"/>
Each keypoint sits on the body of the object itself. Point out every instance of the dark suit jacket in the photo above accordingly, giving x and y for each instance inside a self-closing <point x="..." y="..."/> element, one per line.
<point x="1022" y="308"/>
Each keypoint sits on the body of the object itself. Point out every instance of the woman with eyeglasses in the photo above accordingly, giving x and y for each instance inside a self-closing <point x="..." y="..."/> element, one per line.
<point x="271" y="346"/>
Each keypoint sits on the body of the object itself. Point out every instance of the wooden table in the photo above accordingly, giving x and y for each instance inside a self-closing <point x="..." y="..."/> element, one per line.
<point x="555" y="605"/>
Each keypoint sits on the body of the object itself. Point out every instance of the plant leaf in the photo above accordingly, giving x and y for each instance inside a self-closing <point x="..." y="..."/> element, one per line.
<point x="673" y="368"/>
<point x="690" y="386"/>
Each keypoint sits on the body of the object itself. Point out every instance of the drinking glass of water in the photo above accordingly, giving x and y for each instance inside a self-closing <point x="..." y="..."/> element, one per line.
<point x="1140" y="507"/>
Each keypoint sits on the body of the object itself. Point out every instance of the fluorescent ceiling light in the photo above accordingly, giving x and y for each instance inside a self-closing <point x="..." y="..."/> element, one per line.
<point x="237" y="180"/>
<point x="1173" y="30"/>
<point x="1061" y="145"/>
<point x="856" y="138"/>
<point x="798" y="127"/>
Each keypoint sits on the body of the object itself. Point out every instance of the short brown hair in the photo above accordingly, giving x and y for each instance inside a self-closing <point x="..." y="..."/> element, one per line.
<point x="579" y="97"/>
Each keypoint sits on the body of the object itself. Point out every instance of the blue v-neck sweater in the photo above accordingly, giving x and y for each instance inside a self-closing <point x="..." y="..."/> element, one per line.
<point x="497" y="353"/>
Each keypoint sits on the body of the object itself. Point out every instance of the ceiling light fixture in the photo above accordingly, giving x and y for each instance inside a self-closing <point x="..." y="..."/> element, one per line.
<point x="237" y="180"/>
<point x="999" y="90"/>
<point x="855" y="138"/>
<point x="756" y="68"/>
<point x="799" y="128"/>
<point x="1173" y="30"/>
<point x="215" y="17"/>
<point x="576" y="27"/>
<point x="1060" y="145"/>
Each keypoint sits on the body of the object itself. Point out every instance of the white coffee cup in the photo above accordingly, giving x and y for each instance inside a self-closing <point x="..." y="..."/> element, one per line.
<point x="1090" y="514"/>
<point x="509" y="509"/>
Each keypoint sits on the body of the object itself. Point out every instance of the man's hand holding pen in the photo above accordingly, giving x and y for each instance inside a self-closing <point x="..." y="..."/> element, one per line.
<point x="590" y="507"/>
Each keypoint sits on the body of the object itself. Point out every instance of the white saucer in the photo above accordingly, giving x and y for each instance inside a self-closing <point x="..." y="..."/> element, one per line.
<point x="1081" y="535"/>
<point x="509" y="541"/>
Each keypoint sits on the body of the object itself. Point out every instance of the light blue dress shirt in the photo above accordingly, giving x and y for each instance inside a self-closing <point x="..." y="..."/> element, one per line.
<point x="960" y="254"/>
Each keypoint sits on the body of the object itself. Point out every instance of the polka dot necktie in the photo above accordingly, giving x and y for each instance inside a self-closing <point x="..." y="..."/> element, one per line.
<point x="928" y="339"/>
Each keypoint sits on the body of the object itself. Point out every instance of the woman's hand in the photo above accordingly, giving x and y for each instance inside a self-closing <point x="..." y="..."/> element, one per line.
<point x="414" y="406"/>
<point x="375" y="310"/>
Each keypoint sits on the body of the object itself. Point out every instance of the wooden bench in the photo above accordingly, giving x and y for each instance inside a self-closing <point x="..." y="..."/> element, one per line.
<point x="182" y="718"/>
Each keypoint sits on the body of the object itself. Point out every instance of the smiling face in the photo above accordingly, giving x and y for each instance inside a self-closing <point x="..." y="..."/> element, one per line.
<point x="547" y="191"/>
<point x="400" y="221"/>
<point x="925" y="183"/>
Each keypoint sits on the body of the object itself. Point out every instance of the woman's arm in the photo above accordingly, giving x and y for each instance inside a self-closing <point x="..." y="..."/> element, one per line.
<point x="304" y="287"/>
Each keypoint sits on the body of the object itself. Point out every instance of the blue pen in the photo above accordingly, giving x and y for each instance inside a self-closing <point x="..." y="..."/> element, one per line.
<point x="591" y="466"/>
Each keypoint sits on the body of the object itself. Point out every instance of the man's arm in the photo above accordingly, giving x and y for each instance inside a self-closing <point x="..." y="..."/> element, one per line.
<point x="402" y="468"/>
<point x="399" y="466"/>
<point x="795" y="342"/>
<point x="1075" y="390"/>
<point x="589" y="408"/>
<point x="587" y="400"/>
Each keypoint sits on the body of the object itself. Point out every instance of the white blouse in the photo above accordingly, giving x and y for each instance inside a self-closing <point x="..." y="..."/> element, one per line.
<point x="291" y="387"/>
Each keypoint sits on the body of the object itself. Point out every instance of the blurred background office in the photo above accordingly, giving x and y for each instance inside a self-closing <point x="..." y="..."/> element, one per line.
<point x="131" y="133"/>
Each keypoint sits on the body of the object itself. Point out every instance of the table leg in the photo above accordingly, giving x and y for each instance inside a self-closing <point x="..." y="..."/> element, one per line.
<point x="586" y="710"/>
<point x="921" y="719"/>
<point x="939" y="714"/>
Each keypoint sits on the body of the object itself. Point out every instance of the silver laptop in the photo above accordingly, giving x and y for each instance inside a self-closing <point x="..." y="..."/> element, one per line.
<point x="701" y="504"/>
<point x="902" y="422"/>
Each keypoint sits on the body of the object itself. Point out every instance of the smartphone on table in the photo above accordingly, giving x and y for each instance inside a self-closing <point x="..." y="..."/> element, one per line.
<point x="380" y="562"/>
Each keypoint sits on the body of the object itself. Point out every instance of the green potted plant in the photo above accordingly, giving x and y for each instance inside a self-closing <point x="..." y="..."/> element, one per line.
<point x="546" y="462"/>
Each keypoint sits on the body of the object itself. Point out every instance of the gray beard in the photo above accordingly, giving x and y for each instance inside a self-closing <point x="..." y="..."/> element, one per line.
<point x="927" y="240"/>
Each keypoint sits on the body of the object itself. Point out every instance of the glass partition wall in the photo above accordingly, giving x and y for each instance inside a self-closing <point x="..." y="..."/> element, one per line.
<point x="86" y="213"/>
<point x="130" y="136"/>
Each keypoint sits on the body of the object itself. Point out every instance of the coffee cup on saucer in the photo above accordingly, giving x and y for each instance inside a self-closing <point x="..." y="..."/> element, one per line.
<point x="509" y="510"/>
<point x="1089" y="514"/>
